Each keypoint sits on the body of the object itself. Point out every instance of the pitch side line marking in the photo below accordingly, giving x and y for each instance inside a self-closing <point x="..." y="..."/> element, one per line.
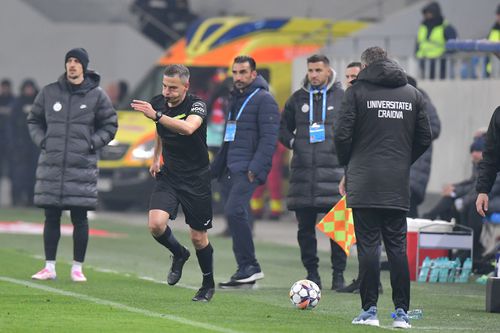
<point x="118" y="305"/>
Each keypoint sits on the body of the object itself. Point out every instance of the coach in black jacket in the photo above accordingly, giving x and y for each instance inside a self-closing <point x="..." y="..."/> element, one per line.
<point x="380" y="131"/>
<point x="490" y="164"/>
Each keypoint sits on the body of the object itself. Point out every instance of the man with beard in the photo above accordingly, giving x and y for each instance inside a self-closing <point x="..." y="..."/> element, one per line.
<point x="307" y="129"/>
<point x="244" y="161"/>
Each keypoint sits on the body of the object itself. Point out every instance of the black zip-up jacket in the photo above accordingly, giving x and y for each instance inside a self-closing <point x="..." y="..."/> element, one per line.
<point x="380" y="131"/>
<point x="490" y="164"/>
<point x="69" y="126"/>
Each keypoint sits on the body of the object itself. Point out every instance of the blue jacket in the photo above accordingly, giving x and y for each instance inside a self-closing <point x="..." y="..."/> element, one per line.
<point x="256" y="133"/>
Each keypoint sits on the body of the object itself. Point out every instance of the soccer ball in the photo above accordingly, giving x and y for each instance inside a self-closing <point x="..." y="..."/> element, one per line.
<point x="305" y="294"/>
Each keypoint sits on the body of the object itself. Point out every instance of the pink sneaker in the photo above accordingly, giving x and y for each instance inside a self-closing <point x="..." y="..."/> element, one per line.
<point x="44" y="274"/>
<point x="78" y="276"/>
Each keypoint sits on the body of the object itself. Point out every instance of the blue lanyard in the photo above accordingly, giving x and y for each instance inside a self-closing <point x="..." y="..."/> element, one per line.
<point x="243" y="105"/>
<point x="311" y="113"/>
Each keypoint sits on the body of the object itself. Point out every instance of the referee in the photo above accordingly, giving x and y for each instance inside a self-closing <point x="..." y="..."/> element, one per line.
<point x="184" y="176"/>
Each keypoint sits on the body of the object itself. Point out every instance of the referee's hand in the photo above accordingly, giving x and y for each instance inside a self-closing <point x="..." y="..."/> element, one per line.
<point x="154" y="169"/>
<point x="144" y="107"/>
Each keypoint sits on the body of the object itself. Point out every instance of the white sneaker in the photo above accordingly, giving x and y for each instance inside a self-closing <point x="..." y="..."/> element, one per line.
<point x="78" y="276"/>
<point x="44" y="274"/>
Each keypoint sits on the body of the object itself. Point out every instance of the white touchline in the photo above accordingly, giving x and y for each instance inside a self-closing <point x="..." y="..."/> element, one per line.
<point x="118" y="305"/>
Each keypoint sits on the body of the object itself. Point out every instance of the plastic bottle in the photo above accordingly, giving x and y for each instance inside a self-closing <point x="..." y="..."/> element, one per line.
<point x="455" y="265"/>
<point x="465" y="273"/>
<point x="444" y="270"/>
<point x="415" y="314"/>
<point x="424" y="272"/>
<point x="435" y="267"/>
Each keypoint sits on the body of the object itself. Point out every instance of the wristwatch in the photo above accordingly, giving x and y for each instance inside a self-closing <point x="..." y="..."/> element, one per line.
<point x="159" y="114"/>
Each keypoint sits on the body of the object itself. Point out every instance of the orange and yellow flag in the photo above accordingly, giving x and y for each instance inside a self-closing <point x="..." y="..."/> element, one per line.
<point x="338" y="224"/>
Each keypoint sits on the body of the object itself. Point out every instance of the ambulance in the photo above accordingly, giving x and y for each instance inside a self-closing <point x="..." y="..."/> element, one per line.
<point x="208" y="50"/>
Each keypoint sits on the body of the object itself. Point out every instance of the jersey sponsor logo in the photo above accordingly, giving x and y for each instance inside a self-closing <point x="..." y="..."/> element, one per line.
<point x="83" y="106"/>
<point x="304" y="108"/>
<point x="330" y="108"/>
<point x="208" y="222"/>
<point x="199" y="108"/>
<point x="57" y="106"/>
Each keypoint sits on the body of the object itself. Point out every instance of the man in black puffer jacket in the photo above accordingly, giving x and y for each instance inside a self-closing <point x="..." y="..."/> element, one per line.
<point x="70" y="120"/>
<point x="380" y="130"/>
<point x="421" y="170"/>
<point x="315" y="169"/>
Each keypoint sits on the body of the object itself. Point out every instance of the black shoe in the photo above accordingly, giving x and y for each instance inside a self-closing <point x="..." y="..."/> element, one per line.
<point x="236" y="285"/>
<point x="380" y="289"/>
<point x="338" y="280"/>
<point x="204" y="294"/>
<point x="247" y="274"/>
<point x="314" y="277"/>
<point x="175" y="273"/>
<point x="352" y="288"/>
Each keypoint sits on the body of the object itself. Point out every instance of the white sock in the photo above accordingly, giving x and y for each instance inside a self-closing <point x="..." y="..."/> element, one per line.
<point x="50" y="265"/>
<point x="77" y="266"/>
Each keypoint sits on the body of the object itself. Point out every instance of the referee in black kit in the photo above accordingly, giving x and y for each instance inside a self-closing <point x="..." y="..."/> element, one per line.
<point x="381" y="129"/>
<point x="184" y="177"/>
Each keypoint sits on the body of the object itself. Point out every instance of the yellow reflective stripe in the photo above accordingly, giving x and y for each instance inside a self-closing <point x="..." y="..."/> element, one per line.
<point x="180" y="116"/>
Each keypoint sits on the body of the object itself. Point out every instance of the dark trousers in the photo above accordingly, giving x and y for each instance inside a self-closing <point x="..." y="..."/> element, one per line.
<point x="52" y="232"/>
<point x="237" y="191"/>
<point x="306" y="236"/>
<point x="369" y="225"/>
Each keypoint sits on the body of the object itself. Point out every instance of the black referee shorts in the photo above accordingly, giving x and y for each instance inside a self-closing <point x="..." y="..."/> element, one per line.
<point x="192" y="192"/>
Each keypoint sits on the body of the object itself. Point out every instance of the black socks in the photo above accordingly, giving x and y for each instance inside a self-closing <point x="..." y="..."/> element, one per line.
<point x="168" y="240"/>
<point x="206" y="262"/>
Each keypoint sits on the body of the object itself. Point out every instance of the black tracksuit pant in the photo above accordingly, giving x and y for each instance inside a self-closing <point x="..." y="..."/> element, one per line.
<point x="370" y="224"/>
<point x="306" y="236"/>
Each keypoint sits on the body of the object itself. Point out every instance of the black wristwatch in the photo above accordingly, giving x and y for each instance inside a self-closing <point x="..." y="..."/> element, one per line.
<point x="159" y="114"/>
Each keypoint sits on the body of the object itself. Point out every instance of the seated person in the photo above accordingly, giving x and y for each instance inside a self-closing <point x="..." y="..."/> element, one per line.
<point x="458" y="201"/>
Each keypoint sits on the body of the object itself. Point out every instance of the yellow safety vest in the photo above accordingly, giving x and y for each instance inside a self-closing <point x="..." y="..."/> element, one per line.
<point x="494" y="36"/>
<point x="434" y="46"/>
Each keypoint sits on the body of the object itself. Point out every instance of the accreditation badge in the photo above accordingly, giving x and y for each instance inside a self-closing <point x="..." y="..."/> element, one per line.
<point x="316" y="132"/>
<point x="230" y="131"/>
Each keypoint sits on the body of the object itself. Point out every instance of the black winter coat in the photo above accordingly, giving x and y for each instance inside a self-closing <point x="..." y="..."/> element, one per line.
<point x="256" y="135"/>
<point x="490" y="164"/>
<point x="315" y="169"/>
<point x="69" y="127"/>
<point x="421" y="170"/>
<point x="380" y="130"/>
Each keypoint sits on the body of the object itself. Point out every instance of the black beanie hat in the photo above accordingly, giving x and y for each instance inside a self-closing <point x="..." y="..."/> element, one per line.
<point x="478" y="143"/>
<point x="80" y="54"/>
